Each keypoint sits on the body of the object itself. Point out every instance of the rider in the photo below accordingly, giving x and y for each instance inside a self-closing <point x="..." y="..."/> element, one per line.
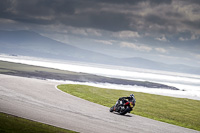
<point x="123" y="100"/>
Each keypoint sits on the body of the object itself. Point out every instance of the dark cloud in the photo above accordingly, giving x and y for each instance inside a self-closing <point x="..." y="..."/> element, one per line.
<point x="110" y="21"/>
<point x="45" y="7"/>
<point x="37" y="11"/>
<point x="192" y="1"/>
<point x="101" y="20"/>
<point x="194" y="24"/>
<point x="173" y="14"/>
<point x="134" y="2"/>
<point x="4" y="8"/>
<point x="63" y="11"/>
<point x="121" y="1"/>
<point x="159" y="2"/>
<point x="111" y="15"/>
<point x="154" y="19"/>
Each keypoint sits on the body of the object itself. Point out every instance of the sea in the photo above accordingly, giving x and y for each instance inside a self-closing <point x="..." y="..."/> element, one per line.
<point x="188" y="84"/>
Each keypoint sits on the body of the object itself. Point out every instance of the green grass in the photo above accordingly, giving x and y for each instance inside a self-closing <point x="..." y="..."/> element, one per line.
<point x="177" y="111"/>
<point x="13" y="124"/>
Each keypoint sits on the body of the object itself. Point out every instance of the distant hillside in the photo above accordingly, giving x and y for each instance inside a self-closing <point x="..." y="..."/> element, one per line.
<point x="137" y="62"/>
<point x="28" y="43"/>
<point x="148" y="64"/>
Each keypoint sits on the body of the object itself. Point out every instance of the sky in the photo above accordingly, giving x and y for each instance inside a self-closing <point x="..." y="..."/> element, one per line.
<point x="161" y="30"/>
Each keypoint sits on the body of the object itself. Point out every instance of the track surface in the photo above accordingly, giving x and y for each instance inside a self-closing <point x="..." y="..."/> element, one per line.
<point x="40" y="101"/>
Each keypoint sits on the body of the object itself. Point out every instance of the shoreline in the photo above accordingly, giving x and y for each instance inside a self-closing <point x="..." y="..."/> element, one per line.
<point x="78" y="77"/>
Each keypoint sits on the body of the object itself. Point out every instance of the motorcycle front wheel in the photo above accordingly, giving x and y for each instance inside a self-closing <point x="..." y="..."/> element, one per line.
<point x="125" y="111"/>
<point x="112" y="109"/>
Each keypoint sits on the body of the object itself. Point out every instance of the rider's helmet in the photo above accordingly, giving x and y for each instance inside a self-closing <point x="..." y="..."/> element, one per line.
<point x="132" y="96"/>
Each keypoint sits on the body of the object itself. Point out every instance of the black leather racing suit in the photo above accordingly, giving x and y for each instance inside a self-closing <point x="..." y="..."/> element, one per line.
<point x="123" y="100"/>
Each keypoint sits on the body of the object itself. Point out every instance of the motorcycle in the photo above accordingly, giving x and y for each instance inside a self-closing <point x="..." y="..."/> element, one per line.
<point x="122" y="107"/>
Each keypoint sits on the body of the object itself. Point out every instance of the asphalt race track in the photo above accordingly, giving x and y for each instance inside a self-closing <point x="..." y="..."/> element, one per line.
<point x="39" y="100"/>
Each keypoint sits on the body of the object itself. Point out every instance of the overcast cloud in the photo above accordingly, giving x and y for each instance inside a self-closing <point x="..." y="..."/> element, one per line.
<point x="157" y="29"/>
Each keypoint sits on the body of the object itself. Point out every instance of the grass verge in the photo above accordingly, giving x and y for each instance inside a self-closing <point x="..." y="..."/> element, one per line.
<point x="13" y="124"/>
<point x="178" y="111"/>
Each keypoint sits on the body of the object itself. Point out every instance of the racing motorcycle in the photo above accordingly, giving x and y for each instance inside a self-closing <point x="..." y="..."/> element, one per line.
<point x="123" y="107"/>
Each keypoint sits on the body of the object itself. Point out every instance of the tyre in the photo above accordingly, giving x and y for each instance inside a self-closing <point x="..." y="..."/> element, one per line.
<point x="112" y="109"/>
<point x="125" y="111"/>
